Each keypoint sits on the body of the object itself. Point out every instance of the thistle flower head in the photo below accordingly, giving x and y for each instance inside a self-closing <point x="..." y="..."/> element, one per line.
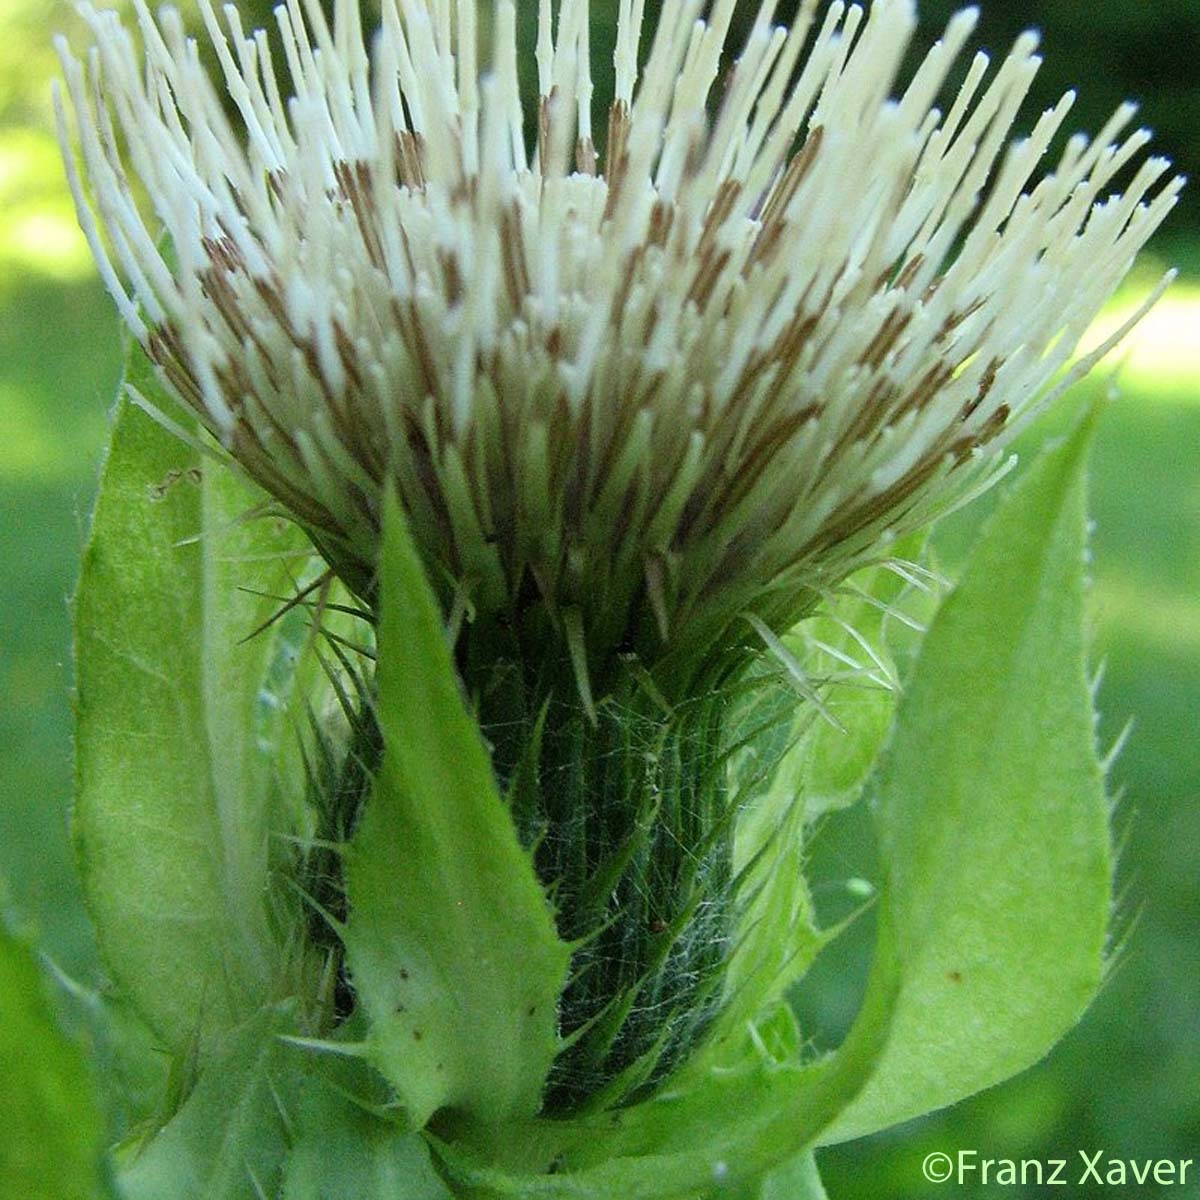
<point x="647" y="391"/>
<point x="694" y="362"/>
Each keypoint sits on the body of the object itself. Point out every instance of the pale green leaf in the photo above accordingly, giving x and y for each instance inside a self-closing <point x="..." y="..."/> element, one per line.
<point x="230" y="1138"/>
<point x="823" y="768"/>
<point x="777" y="933"/>
<point x="171" y="818"/>
<point x="51" y="1132"/>
<point x="836" y="760"/>
<point x="992" y="815"/>
<point x="797" y="1179"/>
<point x="343" y="1152"/>
<point x="849" y="642"/>
<point x="450" y="941"/>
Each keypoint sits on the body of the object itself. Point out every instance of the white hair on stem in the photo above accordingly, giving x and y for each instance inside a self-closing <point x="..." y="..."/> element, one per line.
<point x="789" y="311"/>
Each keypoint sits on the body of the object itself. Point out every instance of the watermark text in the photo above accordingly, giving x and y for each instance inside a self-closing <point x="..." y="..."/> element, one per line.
<point x="1083" y="1168"/>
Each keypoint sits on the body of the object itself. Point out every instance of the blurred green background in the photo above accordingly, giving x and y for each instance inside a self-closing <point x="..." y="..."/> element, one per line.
<point x="1128" y="1079"/>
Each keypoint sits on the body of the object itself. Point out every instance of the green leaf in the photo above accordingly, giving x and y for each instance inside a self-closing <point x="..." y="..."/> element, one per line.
<point x="992" y="815"/>
<point x="795" y="1180"/>
<point x="723" y="1128"/>
<point x="230" y="1138"/>
<point x="343" y="1152"/>
<point x="51" y="1132"/>
<point x="835" y="760"/>
<point x="777" y="933"/>
<point x="171" y="818"/>
<point x="825" y="768"/>
<point x="451" y="942"/>
<point x="848" y="641"/>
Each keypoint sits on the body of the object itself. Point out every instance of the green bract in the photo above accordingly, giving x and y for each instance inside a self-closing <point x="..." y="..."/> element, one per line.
<point x="451" y="942"/>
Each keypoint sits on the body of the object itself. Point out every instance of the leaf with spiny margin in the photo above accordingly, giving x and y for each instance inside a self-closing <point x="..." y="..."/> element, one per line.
<point x="230" y="1138"/>
<point x="172" y="817"/>
<point x="343" y="1152"/>
<point x="720" y="1127"/>
<point x="450" y="940"/>
<point x="992" y="813"/>
<point x="52" y="1134"/>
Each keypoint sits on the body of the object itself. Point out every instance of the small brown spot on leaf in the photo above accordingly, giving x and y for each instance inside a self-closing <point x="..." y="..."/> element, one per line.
<point x="160" y="490"/>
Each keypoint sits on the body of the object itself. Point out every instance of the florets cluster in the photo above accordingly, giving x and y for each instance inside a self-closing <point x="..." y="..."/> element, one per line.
<point x="788" y="310"/>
